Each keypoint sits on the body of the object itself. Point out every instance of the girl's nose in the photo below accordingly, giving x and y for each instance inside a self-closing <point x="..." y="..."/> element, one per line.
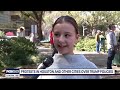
<point x="61" y="38"/>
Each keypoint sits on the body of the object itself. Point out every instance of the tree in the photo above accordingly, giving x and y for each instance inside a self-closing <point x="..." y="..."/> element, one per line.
<point x="36" y="16"/>
<point x="98" y="19"/>
<point x="105" y="17"/>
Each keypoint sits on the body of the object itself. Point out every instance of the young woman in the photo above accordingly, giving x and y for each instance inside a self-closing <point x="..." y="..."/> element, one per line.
<point x="65" y="35"/>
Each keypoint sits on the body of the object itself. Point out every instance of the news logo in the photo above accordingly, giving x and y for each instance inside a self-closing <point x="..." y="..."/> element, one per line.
<point x="12" y="73"/>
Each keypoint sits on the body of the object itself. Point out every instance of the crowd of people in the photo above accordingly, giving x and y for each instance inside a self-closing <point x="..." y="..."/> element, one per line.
<point x="112" y="44"/>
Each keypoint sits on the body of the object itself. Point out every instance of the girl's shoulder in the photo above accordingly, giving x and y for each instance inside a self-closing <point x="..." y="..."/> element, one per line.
<point x="83" y="61"/>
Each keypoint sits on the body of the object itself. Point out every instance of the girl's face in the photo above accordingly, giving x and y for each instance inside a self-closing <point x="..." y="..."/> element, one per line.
<point x="65" y="37"/>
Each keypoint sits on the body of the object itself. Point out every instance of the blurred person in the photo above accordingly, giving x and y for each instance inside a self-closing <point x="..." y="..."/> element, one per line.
<point x="102" y="42"/>
<point x="116" y="60"/>
<point x="94" y="32"/>
<point x="97" y="39"/>
<point x="21" y="32"/>
<point x="111" y="45"/>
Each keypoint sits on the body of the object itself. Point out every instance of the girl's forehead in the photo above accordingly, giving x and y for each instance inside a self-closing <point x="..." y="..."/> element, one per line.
<point x="67" y="24"/>
<point x="64" y="27"/>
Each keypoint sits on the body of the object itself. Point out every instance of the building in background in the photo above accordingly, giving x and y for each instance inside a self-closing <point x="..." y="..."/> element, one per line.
<point x="11" y="20"/>
<point x="5" y="17"/>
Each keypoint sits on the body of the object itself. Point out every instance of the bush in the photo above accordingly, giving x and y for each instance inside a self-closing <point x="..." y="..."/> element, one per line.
<point x="16" y="52"/>
<point x="2" y="34"/>
<point x="87" y="44"/>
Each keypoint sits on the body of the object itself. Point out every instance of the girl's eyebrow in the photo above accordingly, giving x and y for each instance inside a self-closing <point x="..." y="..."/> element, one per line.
<point x="59" y="32"/>
<point x="67" y="32"/>
<point x="56" y="32"/>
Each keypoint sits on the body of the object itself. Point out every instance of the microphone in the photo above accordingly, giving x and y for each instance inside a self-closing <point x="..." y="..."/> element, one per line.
<point x="46" y="63"/>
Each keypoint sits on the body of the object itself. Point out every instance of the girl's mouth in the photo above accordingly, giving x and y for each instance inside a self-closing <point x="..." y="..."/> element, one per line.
<point x="61" y="46"/>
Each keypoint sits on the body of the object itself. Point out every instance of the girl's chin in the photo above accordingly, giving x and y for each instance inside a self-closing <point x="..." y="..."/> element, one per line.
<point x="65" y="52"/>
<point x="62" y="52"/>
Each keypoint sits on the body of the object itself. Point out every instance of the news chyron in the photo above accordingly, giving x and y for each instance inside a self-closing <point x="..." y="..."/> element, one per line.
<point x="12" y="73"/>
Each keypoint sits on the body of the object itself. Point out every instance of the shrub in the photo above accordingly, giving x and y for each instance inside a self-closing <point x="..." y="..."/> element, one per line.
<point x="16" y="52"/>
<point x="87" y="44"/>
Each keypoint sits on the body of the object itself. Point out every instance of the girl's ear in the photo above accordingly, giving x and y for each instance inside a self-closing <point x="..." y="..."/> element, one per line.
<point x="77" y="38"/>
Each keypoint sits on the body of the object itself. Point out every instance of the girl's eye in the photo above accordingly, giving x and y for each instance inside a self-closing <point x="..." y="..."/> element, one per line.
<point x="56" y="34"/>
<point x="67" y="35"/>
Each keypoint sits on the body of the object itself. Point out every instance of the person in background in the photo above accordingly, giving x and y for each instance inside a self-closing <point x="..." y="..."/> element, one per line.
<point x="65" y="35"/>
<point x="94" y="32"/>
<point x="97" y="39"/>
<point x="116" y="60"/>
<point x="21" y="32"/>
<point x="102" y="41"/>
<point x="32" y="36"/>
<point x="111" y="45"/>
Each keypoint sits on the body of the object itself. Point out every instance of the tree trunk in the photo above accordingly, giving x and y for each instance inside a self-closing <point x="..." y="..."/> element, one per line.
<point x="40" y="35"/>
<point x="37" y="17"/>
<point x="39" y="22"/>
